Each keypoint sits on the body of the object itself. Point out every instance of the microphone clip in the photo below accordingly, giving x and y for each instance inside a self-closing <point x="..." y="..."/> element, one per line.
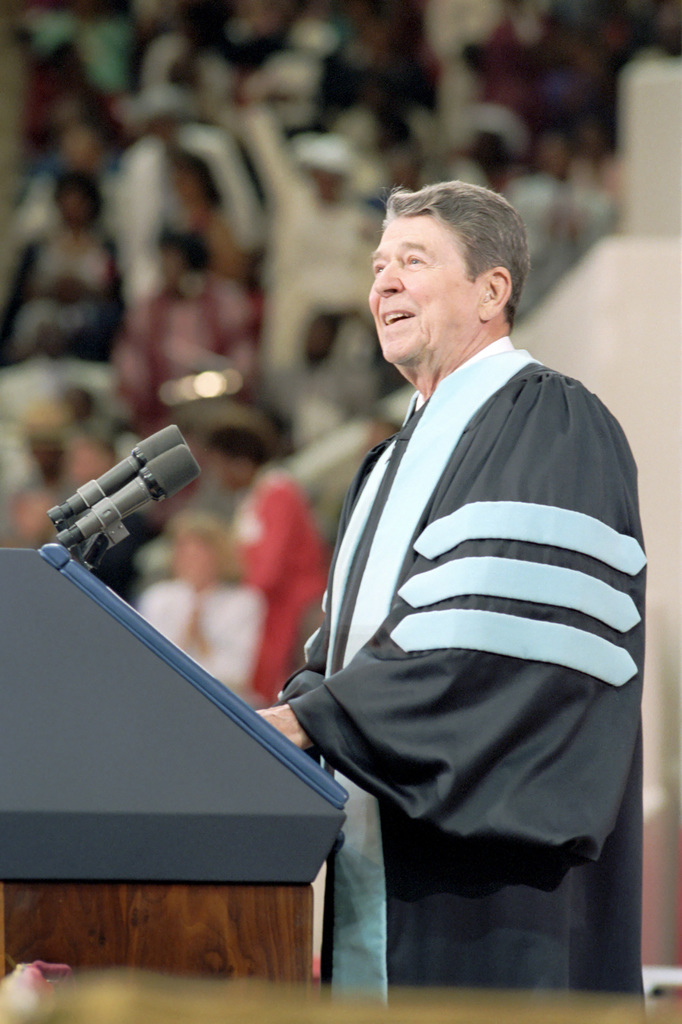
<point x="90" y="552"/>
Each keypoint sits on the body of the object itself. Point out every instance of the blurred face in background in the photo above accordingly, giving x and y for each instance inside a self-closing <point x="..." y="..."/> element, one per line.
<point x="194" y="560"/>
<point x="76" y="208"/>
<point x="29" y="523"/>
<point x="87" y="459"/>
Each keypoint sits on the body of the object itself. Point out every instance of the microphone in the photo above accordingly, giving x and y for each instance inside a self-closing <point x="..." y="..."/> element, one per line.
<point x="161" y="478"/>
<point x="112" y="481"/>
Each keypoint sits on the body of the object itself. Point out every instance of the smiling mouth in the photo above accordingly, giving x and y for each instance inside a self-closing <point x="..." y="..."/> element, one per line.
<point x="392" y="318"/>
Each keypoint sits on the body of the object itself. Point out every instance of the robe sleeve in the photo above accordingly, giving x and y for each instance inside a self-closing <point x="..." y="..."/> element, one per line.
<point x="500" y="698"/>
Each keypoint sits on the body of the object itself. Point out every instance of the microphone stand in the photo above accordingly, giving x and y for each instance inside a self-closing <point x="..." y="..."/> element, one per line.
<point x="90" y="552"/>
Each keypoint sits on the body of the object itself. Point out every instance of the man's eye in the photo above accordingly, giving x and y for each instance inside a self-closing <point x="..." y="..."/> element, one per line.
<point x="378" y="267"/>
<point x="413" y="259"/>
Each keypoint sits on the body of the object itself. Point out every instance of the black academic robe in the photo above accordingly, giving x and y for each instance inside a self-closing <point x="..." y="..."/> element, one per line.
<point x="506" y="765"/>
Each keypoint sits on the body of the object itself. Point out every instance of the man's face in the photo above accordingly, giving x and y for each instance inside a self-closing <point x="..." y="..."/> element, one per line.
<point x="424" y="305"/>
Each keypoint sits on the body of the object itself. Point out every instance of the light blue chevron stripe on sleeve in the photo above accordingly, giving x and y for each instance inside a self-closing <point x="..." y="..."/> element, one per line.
<point x="538" y="524"/>
<point x="515" y="637"/>
<point x="523" y="581"/>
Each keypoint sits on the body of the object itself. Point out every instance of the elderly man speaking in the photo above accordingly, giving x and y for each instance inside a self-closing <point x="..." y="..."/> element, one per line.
<point x="477" y="679"/>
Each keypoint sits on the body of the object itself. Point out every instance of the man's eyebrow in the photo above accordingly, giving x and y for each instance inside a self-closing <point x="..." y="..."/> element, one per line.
<point x="377" y="254"/>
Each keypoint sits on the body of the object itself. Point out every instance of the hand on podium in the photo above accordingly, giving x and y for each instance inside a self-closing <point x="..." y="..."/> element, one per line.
<point x="283" y="719"/>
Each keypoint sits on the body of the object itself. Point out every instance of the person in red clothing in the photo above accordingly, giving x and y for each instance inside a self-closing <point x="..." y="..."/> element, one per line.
<point x="281" y="547"/>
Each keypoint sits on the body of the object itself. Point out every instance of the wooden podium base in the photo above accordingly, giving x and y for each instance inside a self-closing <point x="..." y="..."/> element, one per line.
<point x="261" y="931"/>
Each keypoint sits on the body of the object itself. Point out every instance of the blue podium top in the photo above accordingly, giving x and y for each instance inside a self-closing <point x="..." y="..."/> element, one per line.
<point x="229" y="703"/>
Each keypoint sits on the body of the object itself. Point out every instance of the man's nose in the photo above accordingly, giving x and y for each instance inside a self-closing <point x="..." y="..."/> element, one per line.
<point x="389" y="280"/>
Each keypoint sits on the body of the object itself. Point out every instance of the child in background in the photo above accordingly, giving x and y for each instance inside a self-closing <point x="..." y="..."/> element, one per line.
<point x="204" y="608"/>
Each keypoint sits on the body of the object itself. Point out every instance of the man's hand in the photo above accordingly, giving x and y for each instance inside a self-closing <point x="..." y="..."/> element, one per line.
<point x="286" y="722"/>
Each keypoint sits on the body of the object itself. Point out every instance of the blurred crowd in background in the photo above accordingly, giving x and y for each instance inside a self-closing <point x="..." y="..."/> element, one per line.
<point x="201" y="188"/>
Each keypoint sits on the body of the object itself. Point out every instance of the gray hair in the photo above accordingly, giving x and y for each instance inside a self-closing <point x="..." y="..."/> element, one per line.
<point x="487" y="228"/>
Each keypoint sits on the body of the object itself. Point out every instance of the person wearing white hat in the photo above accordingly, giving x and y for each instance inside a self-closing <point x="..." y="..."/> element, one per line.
<point x="319" y="244"/>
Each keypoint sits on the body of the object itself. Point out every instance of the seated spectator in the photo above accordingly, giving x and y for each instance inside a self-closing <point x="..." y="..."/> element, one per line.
<point x="338" y="377"/>
<point x="578" y="78"/>
<point x="196" y="321"/>
<point x="28" y="525"/>
<point x="162" y="117"/>
<point x="383" y="50"/>
<point x="509" y="62"/>
<point x="65" y="298"/>
<point x="44" y="426"/>
<point x="60" y="84"/>
<point x="375" y="127"/>
<point x="204" y="607"/>
<point x="286" y="67"/>
<point x="563" y="218"/>
<point x="254" y="31"/>
<point x="185" y="52"/>
<point x="201" y="212"/>
<point x="280" y="546"/>
<point x="595" y="162"/>
<point x="497" y="150"/>
<point x="31" y="473"/>
<point x="82" y="145"/>
<point x="100" y="32"/>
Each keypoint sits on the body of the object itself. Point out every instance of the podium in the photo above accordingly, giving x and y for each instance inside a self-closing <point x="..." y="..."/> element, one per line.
<point x="149" y="818"/>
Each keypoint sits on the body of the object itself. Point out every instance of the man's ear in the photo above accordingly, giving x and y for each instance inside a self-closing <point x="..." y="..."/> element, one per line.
<point x="496" y="286"/>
